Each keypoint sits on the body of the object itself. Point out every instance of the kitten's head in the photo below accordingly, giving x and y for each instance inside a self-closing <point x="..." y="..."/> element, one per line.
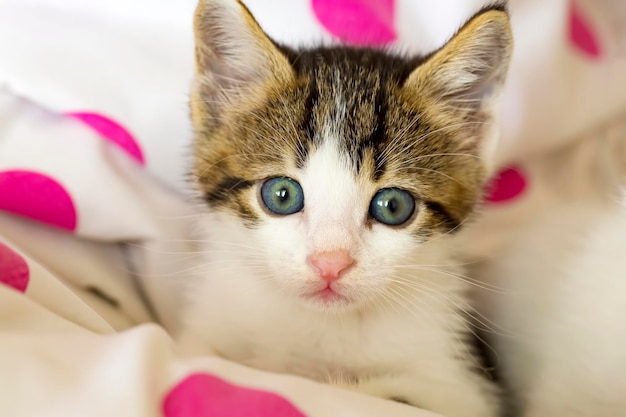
<point x="325" y="170"/>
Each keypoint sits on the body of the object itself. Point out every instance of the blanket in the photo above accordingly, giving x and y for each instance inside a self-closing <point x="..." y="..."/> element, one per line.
<point x="94" y="148"/>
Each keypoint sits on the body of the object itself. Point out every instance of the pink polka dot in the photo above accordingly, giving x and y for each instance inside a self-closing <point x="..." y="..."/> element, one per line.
<point x="507" y="185"/>
<point x="203" y="395"/>
<point x="13" y="269"/>
<point x="581" y="35"/>
<point x="359" y="22"/>
<point x="112" y="131"/>
<point x="38" y="197"/>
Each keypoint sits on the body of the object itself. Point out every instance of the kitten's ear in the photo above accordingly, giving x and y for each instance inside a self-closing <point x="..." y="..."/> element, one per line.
<point x="464" y="78"/>
<point x="234" y="57"/>
<point x="472" y="65"/>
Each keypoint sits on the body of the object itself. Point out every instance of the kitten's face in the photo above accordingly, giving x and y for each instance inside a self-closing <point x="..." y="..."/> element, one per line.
<point x="327" y="172"/>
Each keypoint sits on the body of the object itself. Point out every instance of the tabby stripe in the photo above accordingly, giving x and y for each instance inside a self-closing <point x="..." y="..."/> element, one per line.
<point x="307" y="125"/>
<point x="312" y="99"/>
<point x="446" y="219"/>
<point x="377" y="137"/>
<point x="380" y="108"/>
<point x="226" y="189"/>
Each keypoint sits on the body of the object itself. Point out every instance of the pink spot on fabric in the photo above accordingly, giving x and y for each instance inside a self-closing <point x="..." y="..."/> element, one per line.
<point x="203" y="395"/>
<point x="359" y="22"/>
<point x="581" y="35"/>
<point x="113" y="132"/>
<point x="509" y="184"/>
<point x="37" y="197"/>
<point x="13" y="269"/>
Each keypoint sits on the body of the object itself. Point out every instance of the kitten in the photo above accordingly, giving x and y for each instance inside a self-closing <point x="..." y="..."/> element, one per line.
<point x="333" y="179"/>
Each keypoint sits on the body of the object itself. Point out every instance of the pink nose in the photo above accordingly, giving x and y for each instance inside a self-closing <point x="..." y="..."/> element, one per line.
<point x="331" y="265"/>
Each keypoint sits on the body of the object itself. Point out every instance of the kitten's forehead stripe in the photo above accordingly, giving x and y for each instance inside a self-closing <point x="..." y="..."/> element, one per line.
<point x="377" y="138"/>
<point x="310" y="103"/>
<point x="351" y="94"/>
<point x="442" y="216"/>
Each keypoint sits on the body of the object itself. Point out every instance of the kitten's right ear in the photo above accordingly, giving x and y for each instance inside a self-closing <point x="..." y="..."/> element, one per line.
<point x="461" y="83"/>
<point x="234" y="57"/>
<point x="471" y="67"/>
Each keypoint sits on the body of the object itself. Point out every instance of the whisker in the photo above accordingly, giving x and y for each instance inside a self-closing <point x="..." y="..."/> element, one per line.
<point x="489" y="325"/>
<point x="460" y="277"/>
<point x="464" y="323"/>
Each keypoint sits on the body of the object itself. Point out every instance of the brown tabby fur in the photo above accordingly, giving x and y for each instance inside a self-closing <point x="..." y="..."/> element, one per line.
<point x="413" y="123"/>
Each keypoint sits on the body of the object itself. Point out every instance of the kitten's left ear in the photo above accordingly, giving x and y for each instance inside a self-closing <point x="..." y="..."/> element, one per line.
<point x="235" y="59"/>
<point x="464" y="78"/>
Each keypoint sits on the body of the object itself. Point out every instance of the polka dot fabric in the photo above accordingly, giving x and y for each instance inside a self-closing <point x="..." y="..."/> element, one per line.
<point x="38" y="197"/>
<point x="508" y="185"/>
<point x="113" y="132"/>
<point x="77" y="172"/>
<point x="204" y="395"/>
<point x="358" y="22"/>
<point x="92" y="140"/>
<point x="581" y="34"/>
<point x="14" y="271"/>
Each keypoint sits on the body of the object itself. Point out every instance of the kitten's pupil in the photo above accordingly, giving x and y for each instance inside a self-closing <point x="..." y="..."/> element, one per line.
<point x="282" y="194"/>
<point x="392" y="205"/>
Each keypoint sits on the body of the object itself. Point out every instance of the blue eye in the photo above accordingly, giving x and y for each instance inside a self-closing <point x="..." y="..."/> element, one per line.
<point x="392" y="206"/>
<point x="282" y="195"/>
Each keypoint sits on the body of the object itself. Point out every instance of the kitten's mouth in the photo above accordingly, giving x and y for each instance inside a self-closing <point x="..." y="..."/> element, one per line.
<point x="327" y="295"/>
